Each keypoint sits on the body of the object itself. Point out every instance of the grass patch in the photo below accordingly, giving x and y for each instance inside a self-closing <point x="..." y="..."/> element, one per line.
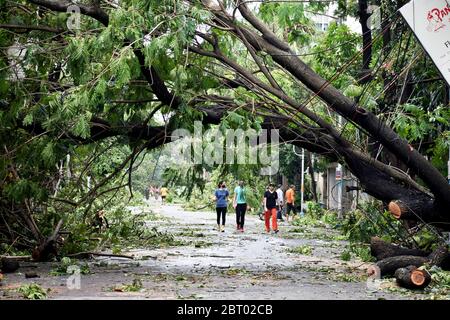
<point x="202" y="244"/>
<point x="235" y="272"/>
<point x="297" y="230"/>
<point x="345" y="277"/>
<point x="33" y="292"/>
<point x="302" y="250"/>
<point x="358" y="250"/>
<point x="135" y="286"/>
<point x="308" y="222"/>
<point x="346" y="255"/>
<point x="67" y="266"/>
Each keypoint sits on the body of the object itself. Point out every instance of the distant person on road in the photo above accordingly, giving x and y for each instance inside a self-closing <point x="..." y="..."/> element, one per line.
<point x="164" y="193"/>
<point x="151" y="191"/>
<point x="240" y="204"/>
<point x="263" y="211"/>
<point x="147" y="192"/>
<point x="221" y="198"/>
<point x="280" y="195"/>
<point x="270" y="208"/>
<point x="290" y="202"/>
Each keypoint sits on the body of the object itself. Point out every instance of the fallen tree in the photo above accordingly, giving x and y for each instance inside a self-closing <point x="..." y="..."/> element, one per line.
<point x="313" y="127"/>
<point x="430" y="209"/>
<point x="404" y="263"/>
<point x="388" y="266"/>
<point x="381" y="250"/>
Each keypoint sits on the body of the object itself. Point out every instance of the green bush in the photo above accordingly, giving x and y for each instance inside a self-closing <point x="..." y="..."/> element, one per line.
<point x="330" y="218"/>
<point x="32" y="292"/>
<point x="362" y="252"/>
<point x="346" y="255"/>
<point x="314" y="210"/>
<point x="65" y="263"/>
<point x="369" y="221"/>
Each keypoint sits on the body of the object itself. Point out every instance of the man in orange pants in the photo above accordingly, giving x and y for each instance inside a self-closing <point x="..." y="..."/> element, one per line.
<point x="270" y="208"/>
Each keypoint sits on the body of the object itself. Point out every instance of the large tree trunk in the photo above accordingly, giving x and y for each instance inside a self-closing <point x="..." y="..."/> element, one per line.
<point x="382" y="250"/>
<point x="388" y="266"/>
<point x="417" y="208"/>
<point x="285" y="57"/>
<point x="364" y="20"/>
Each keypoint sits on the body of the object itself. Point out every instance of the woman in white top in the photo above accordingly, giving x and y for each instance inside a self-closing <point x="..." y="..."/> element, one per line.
<point x="280" y="195"/>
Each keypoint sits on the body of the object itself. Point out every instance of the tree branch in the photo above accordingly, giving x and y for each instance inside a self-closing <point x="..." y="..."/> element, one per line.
<point x="61" y="6"/>
<point x="30" y="28"/>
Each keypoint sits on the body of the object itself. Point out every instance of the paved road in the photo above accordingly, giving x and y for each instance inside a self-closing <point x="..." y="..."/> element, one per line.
<point x="213" y="265"/>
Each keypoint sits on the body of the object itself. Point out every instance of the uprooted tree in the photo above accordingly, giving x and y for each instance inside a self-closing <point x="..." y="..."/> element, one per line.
<point x="70" y="81"/>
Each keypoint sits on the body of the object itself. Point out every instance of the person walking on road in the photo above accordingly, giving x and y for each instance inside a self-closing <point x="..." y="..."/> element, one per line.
<point x="280" y="195"/>
<point x="164" y="193"/>
<point x="156" y="192"/>
<point x="270" y="208"/>
<point x="221" y="197"/>
<point x="262" y="213"/>
<point x="240" y="204"/>
<point x="147" y="192"/>
<point x="290" y="202"/>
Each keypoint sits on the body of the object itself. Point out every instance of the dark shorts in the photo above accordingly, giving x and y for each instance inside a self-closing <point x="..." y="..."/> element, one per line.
<point x="290" y="208"/>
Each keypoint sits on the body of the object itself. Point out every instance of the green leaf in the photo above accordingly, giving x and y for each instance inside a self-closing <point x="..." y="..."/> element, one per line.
<point x="353" y="91"/>
<point x="48" y="154"/>
<point x="28" y="119"/>
<point x="82" y="128"/>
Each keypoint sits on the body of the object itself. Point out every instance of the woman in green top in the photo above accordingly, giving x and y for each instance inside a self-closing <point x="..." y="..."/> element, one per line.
<point x="240" y="204"/>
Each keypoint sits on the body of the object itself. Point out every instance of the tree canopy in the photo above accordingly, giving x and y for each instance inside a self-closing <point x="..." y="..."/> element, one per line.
<point x="83" y="95"/>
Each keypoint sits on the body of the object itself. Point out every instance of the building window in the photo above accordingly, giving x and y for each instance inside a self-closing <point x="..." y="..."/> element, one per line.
<point x="322" y="26"/>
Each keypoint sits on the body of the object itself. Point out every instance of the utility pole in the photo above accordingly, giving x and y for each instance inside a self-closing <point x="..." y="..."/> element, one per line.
<point x="302" y="188"/>
<point x="340" y="181"/>
<point x="340" y="176"/>
<point x="302" y="192"/>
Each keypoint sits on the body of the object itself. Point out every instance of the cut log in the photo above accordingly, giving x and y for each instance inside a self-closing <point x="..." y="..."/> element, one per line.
<point x="414" y="208"/>
<point x="47" y="248"/>
<point x="397" y="208"/>
<point x="31" y="275"/>
<point x="388" y="266"/>
<point x="8" y="266"/>
<point x="420" y="208"/>
<point x="412" y="278"/>
<point x="16" y="258"/>
<point x="381" y="250"/>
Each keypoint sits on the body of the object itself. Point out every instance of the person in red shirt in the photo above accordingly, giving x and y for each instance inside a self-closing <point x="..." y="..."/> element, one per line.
<point x="270" y="208"/>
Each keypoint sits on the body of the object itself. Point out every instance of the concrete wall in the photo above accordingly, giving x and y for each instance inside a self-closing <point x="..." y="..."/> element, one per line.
<point x="329" y="189"/>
